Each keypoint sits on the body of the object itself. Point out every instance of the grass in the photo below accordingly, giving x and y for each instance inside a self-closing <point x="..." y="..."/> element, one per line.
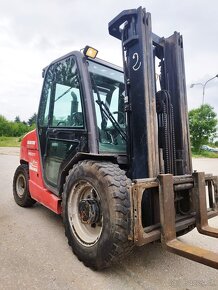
<point x="10" y="141"/>
<point x="205" y="154"/>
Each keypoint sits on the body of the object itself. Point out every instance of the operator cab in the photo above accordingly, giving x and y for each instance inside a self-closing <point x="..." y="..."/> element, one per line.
<point x="81" y="111"/>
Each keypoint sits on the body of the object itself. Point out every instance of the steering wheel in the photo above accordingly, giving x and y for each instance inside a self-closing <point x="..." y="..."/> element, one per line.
<point x="61" y="122"/>
<point x="76" y="119"/>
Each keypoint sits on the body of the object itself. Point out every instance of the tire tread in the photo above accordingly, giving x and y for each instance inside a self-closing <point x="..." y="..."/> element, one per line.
<point x="119" y="194"/>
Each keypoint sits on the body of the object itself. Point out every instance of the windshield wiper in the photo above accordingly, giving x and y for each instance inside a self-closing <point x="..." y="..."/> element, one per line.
<point x="105" y="110"/>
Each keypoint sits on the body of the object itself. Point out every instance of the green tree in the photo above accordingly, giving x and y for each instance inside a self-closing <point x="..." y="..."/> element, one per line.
<point x="32" y="120"/>
<point x="17" y="119"/>
<point x="4" y="128"/>
<point x="202" y="124"/>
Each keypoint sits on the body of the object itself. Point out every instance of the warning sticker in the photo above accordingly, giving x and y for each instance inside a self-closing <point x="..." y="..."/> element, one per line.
<point x="33" y="165"/>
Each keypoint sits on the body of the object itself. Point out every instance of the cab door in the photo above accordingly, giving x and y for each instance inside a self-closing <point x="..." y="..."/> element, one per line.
<point x="61" y="120"/>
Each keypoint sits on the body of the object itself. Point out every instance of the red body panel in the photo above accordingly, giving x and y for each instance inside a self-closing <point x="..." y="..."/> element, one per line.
<point x="30" y="153"/>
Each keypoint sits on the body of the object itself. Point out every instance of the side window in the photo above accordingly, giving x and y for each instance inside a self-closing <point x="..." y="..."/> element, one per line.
<point x="67" y="110"/>
<point x="61" y="104"/>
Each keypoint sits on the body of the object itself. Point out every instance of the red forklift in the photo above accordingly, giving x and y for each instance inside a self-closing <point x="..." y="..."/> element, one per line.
<point x="111" y="150"/>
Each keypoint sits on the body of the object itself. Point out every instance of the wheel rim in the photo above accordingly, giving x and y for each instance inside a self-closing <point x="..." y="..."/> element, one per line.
<point x="21" y="185"/>
<point x="86" y="232"/>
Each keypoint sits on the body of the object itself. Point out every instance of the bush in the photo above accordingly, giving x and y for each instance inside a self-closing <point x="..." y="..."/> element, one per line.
<point x="13" y="129"/>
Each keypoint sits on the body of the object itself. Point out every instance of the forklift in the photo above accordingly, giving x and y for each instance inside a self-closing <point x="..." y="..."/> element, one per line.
<point x="111" y="150"/>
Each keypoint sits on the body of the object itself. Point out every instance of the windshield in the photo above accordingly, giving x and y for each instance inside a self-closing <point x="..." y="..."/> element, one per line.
<point x="108" y="91"/>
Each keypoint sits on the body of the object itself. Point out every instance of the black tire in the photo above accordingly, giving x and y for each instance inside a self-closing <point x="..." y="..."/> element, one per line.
<point x="21" y="187"/>
<point x="109" y="186"/>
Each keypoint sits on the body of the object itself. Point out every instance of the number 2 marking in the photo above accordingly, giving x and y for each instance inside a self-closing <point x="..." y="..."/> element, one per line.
<point x="138" y="63"/>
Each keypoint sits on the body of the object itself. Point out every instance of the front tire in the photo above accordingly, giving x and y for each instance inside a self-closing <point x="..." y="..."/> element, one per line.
<point x="21" y="187"/>
<point x="96" y="213"/>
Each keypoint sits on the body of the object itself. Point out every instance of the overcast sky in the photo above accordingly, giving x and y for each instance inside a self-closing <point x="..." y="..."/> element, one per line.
<point x="35" y="32"/>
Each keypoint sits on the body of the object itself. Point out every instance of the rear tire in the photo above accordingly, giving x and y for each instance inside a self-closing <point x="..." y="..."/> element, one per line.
<point x="96" y="213"/>
<point x="21" y="187"/>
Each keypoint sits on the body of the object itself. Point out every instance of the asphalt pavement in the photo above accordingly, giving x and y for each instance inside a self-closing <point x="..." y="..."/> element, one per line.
<point x="34" y="253"/>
